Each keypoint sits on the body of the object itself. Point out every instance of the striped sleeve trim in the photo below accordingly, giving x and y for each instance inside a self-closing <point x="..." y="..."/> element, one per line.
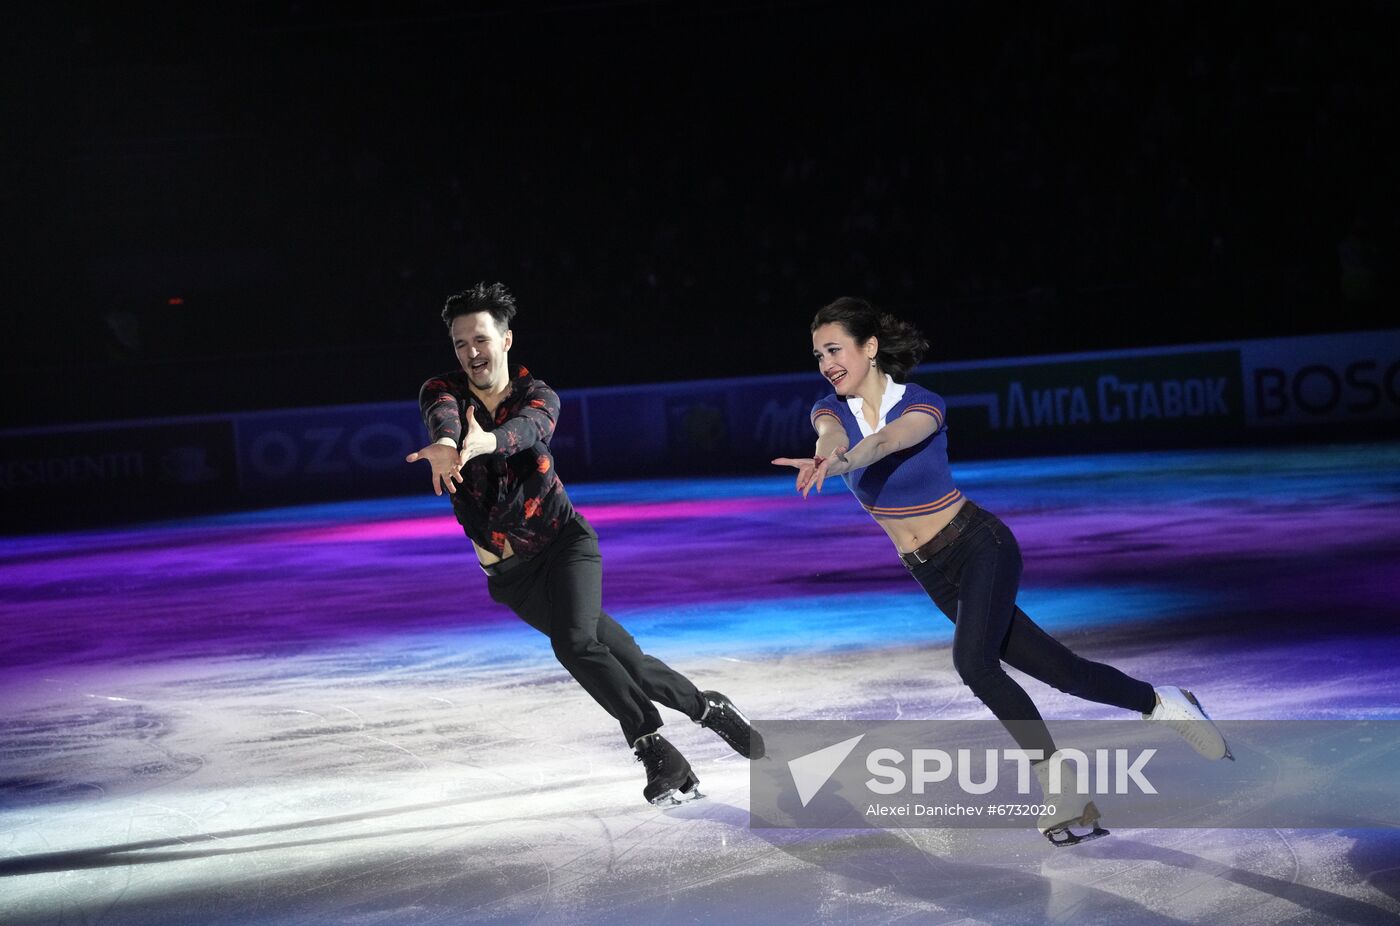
<point x="927" y="508"/>
<point x="824" y="411"/>
<point x="927" y="410"/>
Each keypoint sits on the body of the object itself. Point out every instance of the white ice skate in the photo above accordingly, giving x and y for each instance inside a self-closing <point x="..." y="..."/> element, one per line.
<point x="1178" y="708"/>
<point x="1070" y="808"/>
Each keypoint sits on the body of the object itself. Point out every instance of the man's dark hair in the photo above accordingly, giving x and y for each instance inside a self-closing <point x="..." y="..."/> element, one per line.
<point x="492" y="298"/>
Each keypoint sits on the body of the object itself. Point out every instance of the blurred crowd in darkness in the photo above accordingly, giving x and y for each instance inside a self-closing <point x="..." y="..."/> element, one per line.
<point x="672" y="194"/>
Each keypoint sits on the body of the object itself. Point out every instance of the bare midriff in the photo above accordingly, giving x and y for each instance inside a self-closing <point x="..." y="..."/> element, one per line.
<point x="909" y="534"/>
<point x="486" y="557"/>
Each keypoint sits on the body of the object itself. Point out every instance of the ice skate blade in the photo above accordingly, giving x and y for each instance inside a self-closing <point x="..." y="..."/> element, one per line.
<point x="675" y="797"/>
<point x="754" y="750"/>
<point x="1070" y="838"/>
<point x="1190" y="696"/>
<point x="688" y="791"/>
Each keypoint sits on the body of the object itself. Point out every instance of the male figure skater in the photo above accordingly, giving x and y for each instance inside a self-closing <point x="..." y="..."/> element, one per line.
<point x="490" y="426"/>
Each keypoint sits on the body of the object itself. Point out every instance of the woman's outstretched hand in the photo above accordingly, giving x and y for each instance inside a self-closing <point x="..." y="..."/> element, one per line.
<point x="811" y="471"/>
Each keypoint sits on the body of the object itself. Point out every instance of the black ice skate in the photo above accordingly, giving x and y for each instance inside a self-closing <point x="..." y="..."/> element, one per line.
<point x="732" y="726"/>
<point x="670" y="779"/>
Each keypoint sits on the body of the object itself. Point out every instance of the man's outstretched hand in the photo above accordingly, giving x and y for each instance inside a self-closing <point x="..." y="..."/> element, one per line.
<point x="447" y="471"/>
<point x="477" y="441"/>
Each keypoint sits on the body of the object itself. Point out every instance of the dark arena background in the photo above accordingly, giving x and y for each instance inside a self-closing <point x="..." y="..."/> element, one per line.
<point x="251" y="672"/>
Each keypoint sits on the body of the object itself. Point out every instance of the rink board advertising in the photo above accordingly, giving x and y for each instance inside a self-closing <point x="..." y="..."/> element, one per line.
<point x="51" y="476"/>
<point x="1323" y="387"/>
<point x="1151" y="401"/>
<point x="970" y="773"/>
<point x="286" y="455"/>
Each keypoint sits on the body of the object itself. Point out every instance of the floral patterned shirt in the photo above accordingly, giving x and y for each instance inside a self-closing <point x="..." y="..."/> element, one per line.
<point x="514" y="493"/>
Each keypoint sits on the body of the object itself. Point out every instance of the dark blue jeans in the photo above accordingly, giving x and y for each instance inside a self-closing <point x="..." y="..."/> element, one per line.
<point x="974" y="581"/>
<point x="559" y="592"/>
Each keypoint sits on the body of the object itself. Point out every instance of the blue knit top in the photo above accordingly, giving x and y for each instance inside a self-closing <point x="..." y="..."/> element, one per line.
<point x="909" y="482"/>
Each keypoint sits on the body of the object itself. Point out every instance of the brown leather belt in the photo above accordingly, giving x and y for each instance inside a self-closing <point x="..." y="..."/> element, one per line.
<point x="941" y="540"/>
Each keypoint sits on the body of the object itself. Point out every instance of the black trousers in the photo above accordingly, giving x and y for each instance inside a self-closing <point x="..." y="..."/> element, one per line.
<point x="974" y="582"/>
<point x="559" y="592"/>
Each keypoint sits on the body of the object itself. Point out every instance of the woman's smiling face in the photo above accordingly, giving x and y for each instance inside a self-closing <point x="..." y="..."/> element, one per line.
<point x="843" y="362"/>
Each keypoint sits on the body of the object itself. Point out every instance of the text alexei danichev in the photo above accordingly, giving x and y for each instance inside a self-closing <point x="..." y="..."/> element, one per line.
<point x="958" y="810"/>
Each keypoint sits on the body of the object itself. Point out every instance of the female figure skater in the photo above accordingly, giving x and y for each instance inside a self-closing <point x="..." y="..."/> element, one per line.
<point x="888" y="439"/>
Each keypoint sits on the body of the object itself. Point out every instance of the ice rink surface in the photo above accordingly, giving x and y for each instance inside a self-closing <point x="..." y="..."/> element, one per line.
<point x="316" y="715"/>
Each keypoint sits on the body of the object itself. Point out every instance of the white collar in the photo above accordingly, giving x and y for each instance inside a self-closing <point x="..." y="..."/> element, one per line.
<point x="889" y="399"/>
